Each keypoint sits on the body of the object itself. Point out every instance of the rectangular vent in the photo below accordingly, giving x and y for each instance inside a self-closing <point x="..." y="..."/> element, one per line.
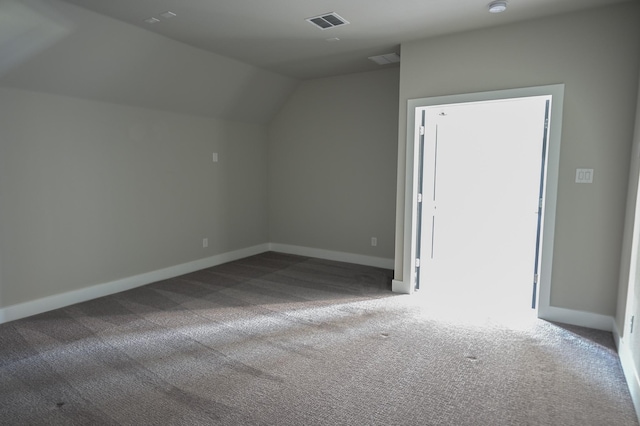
<point x="327" y="20"/>
<point x="389" y="58"/>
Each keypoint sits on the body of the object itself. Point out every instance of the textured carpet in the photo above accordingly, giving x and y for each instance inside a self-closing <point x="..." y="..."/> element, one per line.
<point x="285" y="340"/>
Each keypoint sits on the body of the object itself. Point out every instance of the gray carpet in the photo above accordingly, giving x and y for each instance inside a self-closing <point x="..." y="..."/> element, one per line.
<point x="285" y="340"/>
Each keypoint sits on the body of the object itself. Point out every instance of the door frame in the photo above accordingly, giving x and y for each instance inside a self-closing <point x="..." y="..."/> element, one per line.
<point x="556" y="92"/>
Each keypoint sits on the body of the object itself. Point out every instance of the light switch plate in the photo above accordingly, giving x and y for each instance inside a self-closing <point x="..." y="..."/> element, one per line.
<point x="584" y="175"/>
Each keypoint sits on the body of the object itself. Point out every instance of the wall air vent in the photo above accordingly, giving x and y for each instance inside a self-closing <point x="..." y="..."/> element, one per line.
<point x="327" y="20"/>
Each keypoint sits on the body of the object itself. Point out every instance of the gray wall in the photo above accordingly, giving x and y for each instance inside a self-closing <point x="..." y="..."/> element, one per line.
<point x="629" y="289"/>
<point x="332" y="164"/>
<point x="634" y="303"/>
<point x="106" y="138"/>
<point x="98" y="183"/>
<point x="630" y="228"/>
<point x="93" y="192"/>
<point x="596" y="55"/>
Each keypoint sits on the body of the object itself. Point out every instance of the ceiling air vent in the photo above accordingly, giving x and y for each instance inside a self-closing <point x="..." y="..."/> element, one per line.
<point x="389" y="58"/>
<point x="327" y="20"/>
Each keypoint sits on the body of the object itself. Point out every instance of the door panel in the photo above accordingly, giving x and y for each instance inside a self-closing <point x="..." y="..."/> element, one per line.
<point x="480" y="202"/>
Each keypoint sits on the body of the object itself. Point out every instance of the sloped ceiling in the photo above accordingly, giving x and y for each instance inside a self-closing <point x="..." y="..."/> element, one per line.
<point x="59" y="48"/>
<point x="274" y="35"/>
<point x="236" y="60"/>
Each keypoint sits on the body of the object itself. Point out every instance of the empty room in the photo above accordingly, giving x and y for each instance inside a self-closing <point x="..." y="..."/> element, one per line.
<point x="319" y="213"/>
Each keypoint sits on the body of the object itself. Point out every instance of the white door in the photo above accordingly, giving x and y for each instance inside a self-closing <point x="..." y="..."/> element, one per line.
<point x="481" y="193"/>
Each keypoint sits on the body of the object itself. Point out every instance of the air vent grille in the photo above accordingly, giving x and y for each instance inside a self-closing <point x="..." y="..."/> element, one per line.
<point x="389" y="58"/>
<point x="327" y="20"/>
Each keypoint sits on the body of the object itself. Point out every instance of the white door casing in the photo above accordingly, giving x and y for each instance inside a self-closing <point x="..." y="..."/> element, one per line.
<point x="406" y="283"/>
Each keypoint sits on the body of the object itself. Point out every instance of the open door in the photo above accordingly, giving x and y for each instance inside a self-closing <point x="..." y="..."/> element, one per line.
<point x="480" y="186"/>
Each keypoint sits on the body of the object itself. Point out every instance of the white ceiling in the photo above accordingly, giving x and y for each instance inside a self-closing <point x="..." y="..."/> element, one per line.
<point x="274" y="35"/>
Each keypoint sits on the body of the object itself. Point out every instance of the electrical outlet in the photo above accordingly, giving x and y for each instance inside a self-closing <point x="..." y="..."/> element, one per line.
<point x="205" y="242"/>
<point x="374" y="241"/>
<point x="214" y="157"/>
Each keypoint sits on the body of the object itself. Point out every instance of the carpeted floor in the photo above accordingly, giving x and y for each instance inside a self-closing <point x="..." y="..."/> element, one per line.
<point x="285" y="340"/>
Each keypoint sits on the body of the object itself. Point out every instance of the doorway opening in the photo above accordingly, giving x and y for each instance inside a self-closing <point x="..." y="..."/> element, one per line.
<point x="469" y="207"/>
<point x="481" y="190"/>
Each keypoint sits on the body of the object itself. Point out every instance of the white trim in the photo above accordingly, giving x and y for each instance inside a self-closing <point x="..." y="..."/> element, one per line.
<point x="629" y="369"/>
<point x="358" y="259"/>
<point x="45" y="304"/>
<point x="401" y="286"/>
<point x="56" y="301"/>
<point x="551" y="192"/>
<point x="573" y="317"/>
<point x="616" y="335"/>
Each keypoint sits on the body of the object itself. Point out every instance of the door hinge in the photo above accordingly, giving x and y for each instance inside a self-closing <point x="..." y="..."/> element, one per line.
<point x="417" y="263"/>
<point x="540" y="203"/>
<point x="546" y="123"/>
<point x="421" y="130"/>
<point x="631" y="328"/>
<point x="535" y="278"/>
<point x="419" y="197"/>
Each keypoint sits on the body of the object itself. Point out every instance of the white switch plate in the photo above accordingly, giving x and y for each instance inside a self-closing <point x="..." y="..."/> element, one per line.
<point x="584" y="175"/>
<point x="214" y="157"/>
<point x="205" y="242"/>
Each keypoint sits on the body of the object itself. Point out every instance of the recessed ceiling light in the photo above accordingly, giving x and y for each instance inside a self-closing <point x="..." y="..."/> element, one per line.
<point x="497" y="6"/>
<point x="151" y="20"/>
<point x="168" y="14"/>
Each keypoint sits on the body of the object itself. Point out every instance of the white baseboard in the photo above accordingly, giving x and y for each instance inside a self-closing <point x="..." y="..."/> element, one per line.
<point x="616" y="335"/>
<point x="400" y="287"/>
<point x="629" y="369"/>
<point x="56" y="301"/>
<point x="49" y="303"/>
<point x="358" y="259"/>
<point x="580" y="318"/>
